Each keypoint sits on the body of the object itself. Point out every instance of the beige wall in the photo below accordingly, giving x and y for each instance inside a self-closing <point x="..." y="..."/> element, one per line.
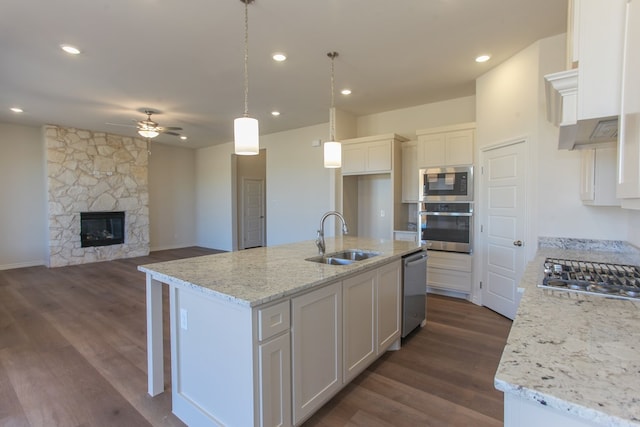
<point x="23" y="197"/>
<point x="172" y="195"/>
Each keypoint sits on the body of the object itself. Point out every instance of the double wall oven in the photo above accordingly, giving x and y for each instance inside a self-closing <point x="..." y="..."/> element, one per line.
<point x="445" y="214"/>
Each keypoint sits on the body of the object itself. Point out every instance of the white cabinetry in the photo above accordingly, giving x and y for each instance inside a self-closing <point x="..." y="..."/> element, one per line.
<point x="389" y="306"/>
<point x="449" y="271"/>
<point x="371" y="314"/>
<point x="366" y="157"/>
<point x="598" y="177"/>
<point x="446" y="146"/>
<point x="410" y="178"/>
<point x="359" y="296"/>
<point x="317" y="348"/>
<point x="372" y="185"/>
<point x="599" y="55"/>
<point x="628" y="182"/>
<point x="274" y="364"/>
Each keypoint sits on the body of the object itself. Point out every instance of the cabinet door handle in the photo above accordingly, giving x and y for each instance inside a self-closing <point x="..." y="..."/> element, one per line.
<point x="517" y="243"/>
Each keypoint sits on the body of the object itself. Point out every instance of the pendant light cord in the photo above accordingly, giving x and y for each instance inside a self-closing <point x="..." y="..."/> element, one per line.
<point x="332" y="114"/>
<point x="246" y="56"/>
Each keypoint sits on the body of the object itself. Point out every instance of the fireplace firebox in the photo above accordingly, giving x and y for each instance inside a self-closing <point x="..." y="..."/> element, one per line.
<point x="101" y="228"/>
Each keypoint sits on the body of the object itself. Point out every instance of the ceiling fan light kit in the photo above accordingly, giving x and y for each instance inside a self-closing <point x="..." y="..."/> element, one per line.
<point x="245" y="129"/>
<point x="332" y="148"/>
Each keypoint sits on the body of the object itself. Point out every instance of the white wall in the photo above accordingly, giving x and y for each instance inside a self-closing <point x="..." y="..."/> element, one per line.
<point x="406" y="121"/>
<point x="172" y="197"/>
<point x="23" y="197"/>
<point x="511" y="105"/>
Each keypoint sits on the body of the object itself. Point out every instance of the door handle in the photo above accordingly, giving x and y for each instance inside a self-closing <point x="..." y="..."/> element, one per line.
<point x="517" y="243"/>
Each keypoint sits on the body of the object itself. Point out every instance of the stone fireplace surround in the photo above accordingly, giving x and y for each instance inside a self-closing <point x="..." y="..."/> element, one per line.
<point x="95" y="171"/>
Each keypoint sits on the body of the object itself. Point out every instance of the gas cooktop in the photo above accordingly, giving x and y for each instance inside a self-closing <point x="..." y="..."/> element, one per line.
<point x="611" y="280"/>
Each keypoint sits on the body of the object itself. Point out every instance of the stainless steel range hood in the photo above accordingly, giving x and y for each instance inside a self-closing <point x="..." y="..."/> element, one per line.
<point x="562" y="105"/>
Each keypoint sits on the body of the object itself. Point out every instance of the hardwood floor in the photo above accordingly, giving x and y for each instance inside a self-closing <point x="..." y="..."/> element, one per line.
<point x="73" y="353"/>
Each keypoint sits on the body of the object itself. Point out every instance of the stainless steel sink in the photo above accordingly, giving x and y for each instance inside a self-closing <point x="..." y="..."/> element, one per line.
<point x="344" y="257"/>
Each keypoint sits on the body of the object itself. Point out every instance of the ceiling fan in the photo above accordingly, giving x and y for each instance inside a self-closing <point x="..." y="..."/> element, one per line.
<point x="150" y="129"/>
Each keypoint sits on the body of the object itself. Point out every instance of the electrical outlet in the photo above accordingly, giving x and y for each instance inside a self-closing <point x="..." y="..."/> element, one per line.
<point x="382" y="213"/>
<point x="184" y="319"/>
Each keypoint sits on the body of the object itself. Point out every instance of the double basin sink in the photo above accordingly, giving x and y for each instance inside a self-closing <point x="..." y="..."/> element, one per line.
<point x="344" y="257"/>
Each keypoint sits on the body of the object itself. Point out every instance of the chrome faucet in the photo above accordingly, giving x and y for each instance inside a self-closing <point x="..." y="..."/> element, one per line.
<point x="320" y="237"/>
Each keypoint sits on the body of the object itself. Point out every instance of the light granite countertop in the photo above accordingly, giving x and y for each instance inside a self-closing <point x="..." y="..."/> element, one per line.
<point x="574" y="352"/>
<point x="260" y="275"/>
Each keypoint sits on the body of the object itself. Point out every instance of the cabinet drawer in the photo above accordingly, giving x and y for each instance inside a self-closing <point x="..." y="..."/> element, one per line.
<point x="449" y="279"/>
<point x="450" y="261"/>
<point x="273" y="320"/>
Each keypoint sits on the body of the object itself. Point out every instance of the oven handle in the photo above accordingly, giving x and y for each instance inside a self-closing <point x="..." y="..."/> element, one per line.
<point x="447" y="213"/>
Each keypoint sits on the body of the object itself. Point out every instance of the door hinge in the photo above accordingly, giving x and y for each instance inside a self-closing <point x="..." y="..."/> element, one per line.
<point x="481" y="228"/>
<point x="481" y="170"/>
<point x="480" y="285"/>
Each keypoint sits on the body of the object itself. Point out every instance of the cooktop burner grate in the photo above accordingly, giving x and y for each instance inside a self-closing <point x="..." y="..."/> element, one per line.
<point x="612" y="280"/>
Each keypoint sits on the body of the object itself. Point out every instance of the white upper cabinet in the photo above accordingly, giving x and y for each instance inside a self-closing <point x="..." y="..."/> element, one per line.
<point x="598" y="177"/>
<point x="361" y="156"/>
<point x="628" y="182"/>
<point x="410" y="179"/>
<point x="446" y="146"/>
<point x="598" y="34"/>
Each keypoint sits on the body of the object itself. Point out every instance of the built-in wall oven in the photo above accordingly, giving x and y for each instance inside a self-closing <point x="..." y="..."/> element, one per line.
<point x="446" y="226"/>
<point x="451" y="184"/>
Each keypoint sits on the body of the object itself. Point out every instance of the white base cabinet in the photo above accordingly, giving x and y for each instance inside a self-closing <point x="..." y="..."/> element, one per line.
<point x="276" y="364"/>
<point x="450" y="271"/>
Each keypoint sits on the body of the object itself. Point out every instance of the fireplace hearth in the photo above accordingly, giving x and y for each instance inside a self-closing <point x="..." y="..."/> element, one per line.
<point x="101" y="228"/>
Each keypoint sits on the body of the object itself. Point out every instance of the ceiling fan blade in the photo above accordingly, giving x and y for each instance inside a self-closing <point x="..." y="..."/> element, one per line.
<point x="171" y="133"/>
<point x="171" y="128"/>
<point x="120" y="124"/>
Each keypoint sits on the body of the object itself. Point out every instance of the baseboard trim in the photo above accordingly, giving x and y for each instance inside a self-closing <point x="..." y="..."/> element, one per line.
<point x="22" y="265"/>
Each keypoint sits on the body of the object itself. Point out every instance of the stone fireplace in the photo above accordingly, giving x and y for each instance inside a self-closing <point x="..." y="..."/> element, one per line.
<point x="94" y="172"/>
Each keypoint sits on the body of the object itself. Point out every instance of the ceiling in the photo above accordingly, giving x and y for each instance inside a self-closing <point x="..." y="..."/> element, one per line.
<point x="185" y="59"/>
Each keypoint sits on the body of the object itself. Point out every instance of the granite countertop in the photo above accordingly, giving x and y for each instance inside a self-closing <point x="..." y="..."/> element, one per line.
<point x="256" y="276"/>
<point x="574" y="352"/>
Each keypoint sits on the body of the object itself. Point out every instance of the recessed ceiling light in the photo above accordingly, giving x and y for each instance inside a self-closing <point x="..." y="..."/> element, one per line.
<point x="275" y="113"/>
<point x="279" y="57"/>
<point x="483" y="58"/>
<point x="183" y="137"/>
<point x="70" y="49"/>
<point x="17" y="110"/>
<point x="346" y="91"/>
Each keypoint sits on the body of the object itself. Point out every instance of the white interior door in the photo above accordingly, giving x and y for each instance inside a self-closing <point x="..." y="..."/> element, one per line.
<point x="252" y="213"/>
<point x="503" y="225"/>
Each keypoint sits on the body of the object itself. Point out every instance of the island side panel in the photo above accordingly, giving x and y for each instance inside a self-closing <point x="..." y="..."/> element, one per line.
<point x="155" y="363"/>
<point x="212" y="360"/>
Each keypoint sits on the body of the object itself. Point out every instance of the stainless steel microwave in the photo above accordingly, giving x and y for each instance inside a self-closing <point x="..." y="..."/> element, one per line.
<point x="447" y="184"/>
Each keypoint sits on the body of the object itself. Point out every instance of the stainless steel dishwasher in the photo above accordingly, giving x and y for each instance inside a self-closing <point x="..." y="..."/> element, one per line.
<point x="414" y="278"/>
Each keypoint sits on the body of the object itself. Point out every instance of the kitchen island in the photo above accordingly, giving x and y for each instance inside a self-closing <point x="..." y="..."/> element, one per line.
<point x="264" y="336"/>
<point x="572" y="359"/>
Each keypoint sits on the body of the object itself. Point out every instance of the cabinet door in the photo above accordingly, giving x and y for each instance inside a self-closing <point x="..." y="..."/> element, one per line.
<point x="431" y="150"/>
<point x="378" y="156"/>
<point x="628" y="182"/>
<point x="410" y="178"/>
<point x="359" y="317"/>
<point x="459" y="148"/>
<point x="354" y="158"/>
<point x="389" y="304"/>
<point x="317" y="349"/>
<point x="274" y="364"/>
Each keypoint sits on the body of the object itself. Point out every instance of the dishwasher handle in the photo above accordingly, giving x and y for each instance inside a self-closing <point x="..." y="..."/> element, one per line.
<point x="414" y="259"/>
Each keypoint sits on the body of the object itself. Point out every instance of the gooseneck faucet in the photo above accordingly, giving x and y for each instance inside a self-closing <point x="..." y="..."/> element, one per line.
<point x="320" y="237"/>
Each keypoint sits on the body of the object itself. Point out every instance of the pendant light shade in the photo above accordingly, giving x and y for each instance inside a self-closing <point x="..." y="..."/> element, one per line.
<point x="245" y="129"/>
<point x="332" y="148"/>
<point x="246" y="134"/>
<point x="332" y="154"/>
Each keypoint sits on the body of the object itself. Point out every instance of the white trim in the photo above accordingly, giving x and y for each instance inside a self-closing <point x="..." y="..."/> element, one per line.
<point x="23" y="264"/>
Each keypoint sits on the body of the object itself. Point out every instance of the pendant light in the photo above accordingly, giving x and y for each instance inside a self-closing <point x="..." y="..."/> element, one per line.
<point x="332" y="149"/>
<point x="245" y="128"/>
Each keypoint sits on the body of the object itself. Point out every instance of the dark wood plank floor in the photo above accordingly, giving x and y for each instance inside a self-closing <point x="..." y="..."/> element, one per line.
<point x="73" y="353"/>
